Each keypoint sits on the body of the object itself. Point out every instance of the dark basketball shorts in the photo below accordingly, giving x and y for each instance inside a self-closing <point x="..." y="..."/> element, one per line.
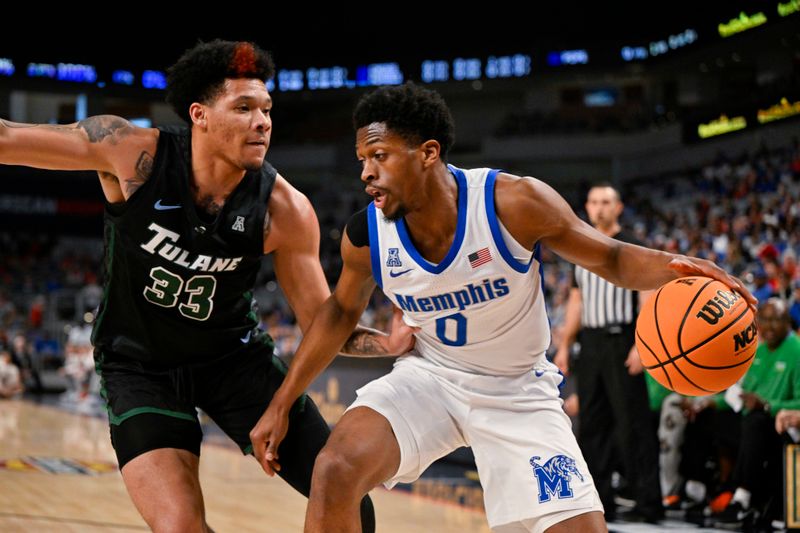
<point x="152" y="406"/>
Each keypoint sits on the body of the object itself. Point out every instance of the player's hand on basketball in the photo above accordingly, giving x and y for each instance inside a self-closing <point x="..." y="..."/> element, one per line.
<point x="694" y="266"/>
<point x="267" y="435"/>
<point x="634" y="362"/>
<point x="401" y="338"/>
<point x="561" y="359"/>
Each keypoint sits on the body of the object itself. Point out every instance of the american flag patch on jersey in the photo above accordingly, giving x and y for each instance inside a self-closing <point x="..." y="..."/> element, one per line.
<point x="480" y="257"/>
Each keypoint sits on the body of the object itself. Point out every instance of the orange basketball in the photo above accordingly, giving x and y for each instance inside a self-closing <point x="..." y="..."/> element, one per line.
<point x="696" y="336"/>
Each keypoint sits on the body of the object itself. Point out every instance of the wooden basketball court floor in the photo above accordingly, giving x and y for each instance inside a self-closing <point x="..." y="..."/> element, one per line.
<point x="239" y="496"/>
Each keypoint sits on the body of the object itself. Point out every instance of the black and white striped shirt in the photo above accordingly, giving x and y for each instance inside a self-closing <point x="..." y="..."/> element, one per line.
<point x="605" y="304"/>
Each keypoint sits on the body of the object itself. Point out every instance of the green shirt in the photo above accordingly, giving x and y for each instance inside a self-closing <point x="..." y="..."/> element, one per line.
<point x="775" y="376"/>
<point x="657" y="393"/>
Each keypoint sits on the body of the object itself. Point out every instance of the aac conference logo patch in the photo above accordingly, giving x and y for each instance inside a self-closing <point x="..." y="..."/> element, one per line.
<point x="57" y="465"/>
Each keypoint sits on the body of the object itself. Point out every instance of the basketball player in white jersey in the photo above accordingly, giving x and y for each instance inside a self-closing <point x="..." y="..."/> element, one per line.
<point x="456" y="251"/>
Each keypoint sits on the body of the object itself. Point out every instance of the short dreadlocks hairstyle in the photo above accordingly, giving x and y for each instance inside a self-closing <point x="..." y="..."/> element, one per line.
<point x="412" y="112"/>
<point x="199" y="74"/>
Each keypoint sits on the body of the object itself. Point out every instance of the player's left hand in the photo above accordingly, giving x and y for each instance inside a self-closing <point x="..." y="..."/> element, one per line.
<point x="694" y="266"/>
<point x="267" y="435"/>
<point x="401" y="338"/>
<point x="633" y="363"/>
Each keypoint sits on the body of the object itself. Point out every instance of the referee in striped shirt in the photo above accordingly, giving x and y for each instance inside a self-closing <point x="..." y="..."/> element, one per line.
<point x="615" y="421"/>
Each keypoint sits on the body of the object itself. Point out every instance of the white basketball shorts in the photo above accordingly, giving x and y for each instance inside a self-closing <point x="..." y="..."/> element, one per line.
<point x="529" y="463"/>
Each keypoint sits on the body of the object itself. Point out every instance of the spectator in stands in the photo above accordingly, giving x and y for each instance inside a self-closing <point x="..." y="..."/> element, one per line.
<point x="794" y="309"/>
<point x="24" y="357"/>
<point x="79" y="362"/>
<point x="771" y="384"/>
<point x="699" y="443"/>
<point x="7" y="310"/>
<point x="787" y="419"/>
<point x="761" y="286"/>
<point x="90" y="295"/>
<point x="10" y="380"/>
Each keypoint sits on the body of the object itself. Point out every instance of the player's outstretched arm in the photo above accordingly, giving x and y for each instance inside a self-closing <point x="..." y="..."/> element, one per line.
<point x="96" y="143"/>
<point x="536" y="212"/>
<point x="121" y="152"/>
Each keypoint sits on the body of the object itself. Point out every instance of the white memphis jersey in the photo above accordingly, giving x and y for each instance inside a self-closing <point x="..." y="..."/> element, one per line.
<point x="482" y="308"/>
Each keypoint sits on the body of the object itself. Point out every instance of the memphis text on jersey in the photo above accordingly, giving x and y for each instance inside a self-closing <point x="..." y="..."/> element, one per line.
<point x="470" y="295"/>
<point x="163" y="243"/>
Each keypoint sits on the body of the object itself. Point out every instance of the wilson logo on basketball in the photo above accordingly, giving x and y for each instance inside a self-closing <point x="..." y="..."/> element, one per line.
<point x="715" y="308"/>
<point x="746" y="337"/>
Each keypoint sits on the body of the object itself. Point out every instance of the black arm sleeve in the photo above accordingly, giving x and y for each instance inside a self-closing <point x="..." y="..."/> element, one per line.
<point x="357" y="230"/>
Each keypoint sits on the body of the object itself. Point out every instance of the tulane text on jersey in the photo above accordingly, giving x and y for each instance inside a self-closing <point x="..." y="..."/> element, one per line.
<point x="163" y="243"/>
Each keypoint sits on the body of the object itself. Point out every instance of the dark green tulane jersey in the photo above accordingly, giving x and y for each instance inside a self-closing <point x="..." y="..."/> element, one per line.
<point x="178" y="289"/>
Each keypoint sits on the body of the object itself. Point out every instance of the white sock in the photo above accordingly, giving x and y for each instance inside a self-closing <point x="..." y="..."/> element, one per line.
<point x="695" y="490"/>
<point x="742" y="496"/>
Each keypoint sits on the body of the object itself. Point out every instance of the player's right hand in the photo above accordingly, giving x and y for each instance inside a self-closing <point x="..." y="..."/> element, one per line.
<point x="693" y="266"/>
<point x="267" y="435"/>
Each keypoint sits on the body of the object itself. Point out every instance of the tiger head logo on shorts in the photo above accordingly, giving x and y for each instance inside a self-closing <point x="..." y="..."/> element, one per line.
<point x="554" y="476"/>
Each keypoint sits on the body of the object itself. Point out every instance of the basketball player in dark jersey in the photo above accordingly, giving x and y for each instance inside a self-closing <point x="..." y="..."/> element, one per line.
<point x="188" y="215"/>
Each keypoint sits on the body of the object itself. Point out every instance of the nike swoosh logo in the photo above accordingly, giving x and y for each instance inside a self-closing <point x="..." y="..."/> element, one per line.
<point x="539" y="373"/>
<point x="394" y="274"/>
<point x="246" y="338"/>
<point x="161" y="207"/>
